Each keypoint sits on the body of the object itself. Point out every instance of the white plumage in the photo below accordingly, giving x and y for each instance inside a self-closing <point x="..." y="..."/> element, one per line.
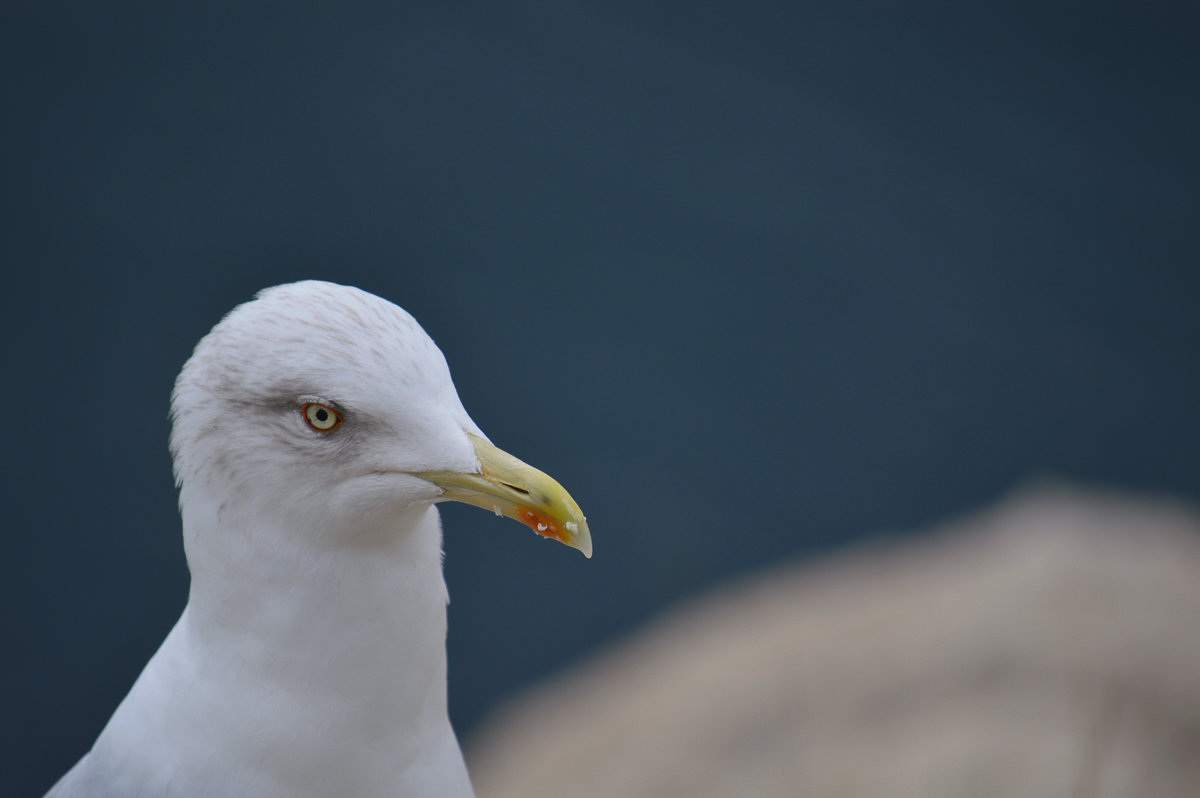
<point x="310" y="659"/>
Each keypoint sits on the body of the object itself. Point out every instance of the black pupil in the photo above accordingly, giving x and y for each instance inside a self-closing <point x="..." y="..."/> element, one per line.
<point x="322" y="414"/>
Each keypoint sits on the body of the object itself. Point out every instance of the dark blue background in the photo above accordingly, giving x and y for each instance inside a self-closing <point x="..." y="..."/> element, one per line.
<point x="752" y="280"/>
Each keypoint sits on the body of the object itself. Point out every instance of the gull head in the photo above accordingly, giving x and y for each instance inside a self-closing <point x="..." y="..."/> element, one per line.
<point x="327" y="409"/>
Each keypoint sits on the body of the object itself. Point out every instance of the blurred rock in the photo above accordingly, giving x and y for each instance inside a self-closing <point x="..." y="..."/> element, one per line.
<point x="1047" y="647"/>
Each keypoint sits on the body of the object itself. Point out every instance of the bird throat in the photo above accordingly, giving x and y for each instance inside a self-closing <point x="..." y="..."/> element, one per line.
<point x="354" y="632"/>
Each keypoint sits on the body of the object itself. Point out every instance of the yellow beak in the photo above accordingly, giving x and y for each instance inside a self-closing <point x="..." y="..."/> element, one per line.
<point x="507" y="486"/>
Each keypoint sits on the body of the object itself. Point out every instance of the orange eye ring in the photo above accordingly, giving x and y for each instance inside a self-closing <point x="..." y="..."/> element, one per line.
<point x="320" y="417"/>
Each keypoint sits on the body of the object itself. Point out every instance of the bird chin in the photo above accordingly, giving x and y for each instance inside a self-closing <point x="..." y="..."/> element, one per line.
<point x="380" y="499"/>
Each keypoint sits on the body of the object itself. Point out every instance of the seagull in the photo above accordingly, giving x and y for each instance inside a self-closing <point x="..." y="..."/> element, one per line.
<point x="313" y="431"/>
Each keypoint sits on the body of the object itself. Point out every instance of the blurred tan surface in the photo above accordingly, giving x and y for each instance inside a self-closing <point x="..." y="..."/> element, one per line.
<point x="1049" y="646"/>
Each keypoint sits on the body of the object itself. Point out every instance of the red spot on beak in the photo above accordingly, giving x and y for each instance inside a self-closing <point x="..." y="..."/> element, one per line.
<point x="541" y="524"/>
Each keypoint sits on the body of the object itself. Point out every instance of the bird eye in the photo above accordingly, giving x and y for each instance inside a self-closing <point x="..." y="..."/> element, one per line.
<point x="321" y="417"/>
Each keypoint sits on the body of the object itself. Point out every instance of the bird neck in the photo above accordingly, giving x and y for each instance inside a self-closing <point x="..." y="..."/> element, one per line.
<point x="355" y="631"/>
